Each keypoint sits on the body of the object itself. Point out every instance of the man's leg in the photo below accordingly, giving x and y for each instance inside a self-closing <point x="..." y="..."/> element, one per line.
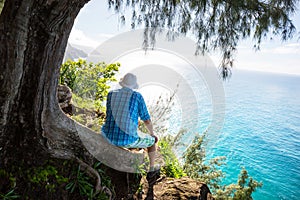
<point x="152" y="154"/>
<point x="154" y="171"/>
<point x="145" y="141"/>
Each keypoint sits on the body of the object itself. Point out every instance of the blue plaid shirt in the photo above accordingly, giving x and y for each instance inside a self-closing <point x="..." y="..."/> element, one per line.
<point x="123" y="108"/>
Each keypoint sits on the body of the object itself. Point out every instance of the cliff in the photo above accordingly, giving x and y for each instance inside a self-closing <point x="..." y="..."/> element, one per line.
<point x="135" y="187"/>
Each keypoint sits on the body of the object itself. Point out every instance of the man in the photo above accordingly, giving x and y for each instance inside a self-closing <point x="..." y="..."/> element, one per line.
<point x="123" y="109"/>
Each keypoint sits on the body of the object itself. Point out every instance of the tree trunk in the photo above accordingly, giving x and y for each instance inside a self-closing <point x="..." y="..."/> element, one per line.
<point x="33" y="37"/>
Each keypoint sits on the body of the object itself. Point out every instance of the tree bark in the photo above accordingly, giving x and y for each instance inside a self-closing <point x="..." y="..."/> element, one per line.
<point x="33" y="38"/>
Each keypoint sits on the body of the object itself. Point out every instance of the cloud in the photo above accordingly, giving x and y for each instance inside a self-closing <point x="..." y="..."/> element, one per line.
<point x="105" y="36"/>
<point x="79" y="38"/>
<point x="292" y="48"/>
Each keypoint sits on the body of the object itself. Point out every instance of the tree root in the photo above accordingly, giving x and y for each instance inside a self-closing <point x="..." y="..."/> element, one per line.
<point x="94" y="174"/>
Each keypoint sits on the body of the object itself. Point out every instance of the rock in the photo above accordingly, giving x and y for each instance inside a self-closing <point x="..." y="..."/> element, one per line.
<point x="64" y="96"/>
<point x="173" y="189"/>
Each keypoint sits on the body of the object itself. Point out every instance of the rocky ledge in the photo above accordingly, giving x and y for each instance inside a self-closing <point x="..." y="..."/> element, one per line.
<point x="174" y="189"/>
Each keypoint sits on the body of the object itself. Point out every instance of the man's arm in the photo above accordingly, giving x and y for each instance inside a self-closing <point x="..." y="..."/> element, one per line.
<point x="149" y="126"/>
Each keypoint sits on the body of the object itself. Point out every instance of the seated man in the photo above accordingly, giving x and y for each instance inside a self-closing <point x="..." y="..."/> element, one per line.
<point x="123" y="108"/>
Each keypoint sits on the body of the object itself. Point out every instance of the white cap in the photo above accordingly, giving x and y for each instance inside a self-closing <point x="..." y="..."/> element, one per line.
<point x="129" y="81"/>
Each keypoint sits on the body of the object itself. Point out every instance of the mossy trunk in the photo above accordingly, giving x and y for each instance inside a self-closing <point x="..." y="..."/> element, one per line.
<point x="33" y="37"/>
<point x="33" y="128"/>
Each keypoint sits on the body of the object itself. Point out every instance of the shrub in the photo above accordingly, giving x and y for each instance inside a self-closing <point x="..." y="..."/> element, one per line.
<point x="197" y="168"/>
<point x="89" y="80"/>
<point x="172" y="167"/>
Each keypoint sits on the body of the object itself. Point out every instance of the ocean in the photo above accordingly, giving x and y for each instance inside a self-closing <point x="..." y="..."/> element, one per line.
<point x="261" y="132"/>
<point x="261" y="129"/>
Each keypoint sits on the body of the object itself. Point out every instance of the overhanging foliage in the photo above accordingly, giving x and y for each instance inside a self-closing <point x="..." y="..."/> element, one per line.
<point x="215" y="24"/>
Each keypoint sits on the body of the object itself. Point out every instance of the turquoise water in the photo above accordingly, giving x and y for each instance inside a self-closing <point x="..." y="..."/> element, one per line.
<point x="262" y="132"/>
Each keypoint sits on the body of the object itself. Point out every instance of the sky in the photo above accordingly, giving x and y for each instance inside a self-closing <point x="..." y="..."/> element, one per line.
<point x="96" y="24"/>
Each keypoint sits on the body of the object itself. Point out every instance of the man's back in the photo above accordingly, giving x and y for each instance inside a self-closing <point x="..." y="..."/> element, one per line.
<point x="124" y="107"/>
